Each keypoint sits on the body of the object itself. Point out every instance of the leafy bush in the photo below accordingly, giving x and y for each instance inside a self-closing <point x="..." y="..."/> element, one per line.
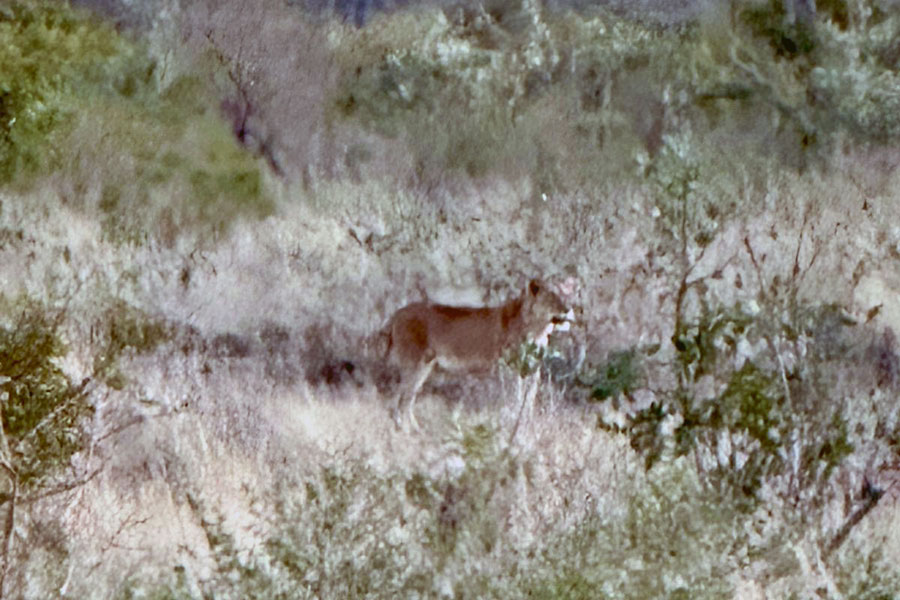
<point x="754" y="424"/>
<point x="43" y="411"/>
<point x="175" y="588"/>
<point x="52" y="59"/>
<point x="125" y="328"/>
<point x="667" y="546"/>
<point x="187" y="173"/>
<point x="770" y="21"/>
<point x="345" y="512"/>
<point x="482" y="91"/>
<point x="847" y="69"/>
<point x="856" y="88"/>
<point x="79" y="99"/>
<point x="620" y="374"/>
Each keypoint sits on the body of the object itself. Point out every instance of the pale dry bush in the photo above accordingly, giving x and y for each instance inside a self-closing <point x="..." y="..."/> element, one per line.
<point x="216" y="443"/>
<point x="239" y="456"/>
<point x="219" y="428"/>
<point x="275" y="75"/>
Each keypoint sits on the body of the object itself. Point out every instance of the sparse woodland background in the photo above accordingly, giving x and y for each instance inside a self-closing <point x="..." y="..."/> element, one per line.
<point x="207" y="210"/>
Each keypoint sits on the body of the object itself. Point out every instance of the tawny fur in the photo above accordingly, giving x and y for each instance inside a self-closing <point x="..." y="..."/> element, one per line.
<point x="422" y="335"/>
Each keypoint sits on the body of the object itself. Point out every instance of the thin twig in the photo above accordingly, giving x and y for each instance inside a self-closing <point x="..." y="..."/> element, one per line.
<point x="873" y="495"/>
<point x="61" y="489"/>
<point x="76" y="395"/>
<point x="525" y="398"/>
<point x="759" y="277"/>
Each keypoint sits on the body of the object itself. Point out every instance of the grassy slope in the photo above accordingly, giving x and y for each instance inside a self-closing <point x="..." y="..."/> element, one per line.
<point x="723" y="195"/>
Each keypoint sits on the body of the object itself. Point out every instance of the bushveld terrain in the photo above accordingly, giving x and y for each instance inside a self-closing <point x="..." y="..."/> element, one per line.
<point x="208" y="210"/>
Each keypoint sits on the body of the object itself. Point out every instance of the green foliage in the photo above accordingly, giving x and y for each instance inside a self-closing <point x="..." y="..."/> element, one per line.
<point x="350" y="532"/>
<point x="51" y="59"/>
<point x="569" y="584"/>
<point x="478" y="443"/>
<point x="755" y="422"/>
<point x="830" y="449"/>
<point x="395" y="88"/>
<point x="847" y="75"/>
<point x="619" y="375"/>
<point x="475" y="98"/>
<point x="346" y="512"/>
<point x="122" y="329"/>
<point x="78" y="98"/>
<point x="703" y="346"/>
<point x="236" y="578"/>
<point x="128" y="327"/>
<point x="770" y="22"/>
<point x="673" y="532"/>
<point x="475" y="106"/>
<point x="42" y="411"/>
<point x="690" y="207"/>
<point x="187" y="171"/>
<point x="644" y="431"/>
<point x="752" y="404"/>
<point x="466" y="523"/>
<point x="405" y="94"/>
<point x="527" y="358"/>
<point x="668" y="545"/>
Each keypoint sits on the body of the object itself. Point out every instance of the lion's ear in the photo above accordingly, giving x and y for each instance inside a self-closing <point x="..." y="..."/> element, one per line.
<point x="534" y="286"/>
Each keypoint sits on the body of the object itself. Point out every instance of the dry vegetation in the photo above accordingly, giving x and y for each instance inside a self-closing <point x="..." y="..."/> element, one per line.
<point x="208" y="211"/>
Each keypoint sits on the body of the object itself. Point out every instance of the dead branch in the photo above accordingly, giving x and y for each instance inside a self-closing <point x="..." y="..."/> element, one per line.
<point x="816" y="249"/>
<point x="873" y="495"/>
<point x="244" y="108"/>
<point x="61" y="489"/>
<point x="759" y="277"/>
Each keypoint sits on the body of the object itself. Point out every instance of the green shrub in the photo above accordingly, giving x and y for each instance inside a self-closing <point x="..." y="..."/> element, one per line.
<point x="770" y="22"/>
<point x="847" y="74"/>
<point x="704" y="345"/>
<point x="79" y="99"/>
<point x="763" y="416"/>
<point x="43" y="412"/>
<point x="620" y="374"/>
<point x="766" y="88"/>
<point x="476" y="107"/>
<point x="668" y="545"/>
<point x="865" y="573"/>
<point x="125" y="328"/>
<point x="348" y="512"/>
<point x="52" y="60"/>
<point x="351" y="532"/>
<point x="169" y="586"/>
<point x="187" y="172"/>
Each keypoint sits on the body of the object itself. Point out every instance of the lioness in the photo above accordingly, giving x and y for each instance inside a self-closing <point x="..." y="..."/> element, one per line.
<point x="423" y="334"/>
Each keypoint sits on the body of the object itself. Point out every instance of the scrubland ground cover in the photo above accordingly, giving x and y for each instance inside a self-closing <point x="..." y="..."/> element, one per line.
<point x="208" y="212"/>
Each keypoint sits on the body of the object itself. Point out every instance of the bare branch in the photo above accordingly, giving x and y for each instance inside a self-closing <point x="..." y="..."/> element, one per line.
<point x="759" y="277"/>
<point x="873" y="495"/>
<point x="241" y="110"/>
<point x="816" y="249"/>
<point x="61" y="489"/>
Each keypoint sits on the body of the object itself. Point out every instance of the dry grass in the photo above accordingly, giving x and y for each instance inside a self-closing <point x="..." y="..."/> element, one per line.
<point x="726" y="426"/>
